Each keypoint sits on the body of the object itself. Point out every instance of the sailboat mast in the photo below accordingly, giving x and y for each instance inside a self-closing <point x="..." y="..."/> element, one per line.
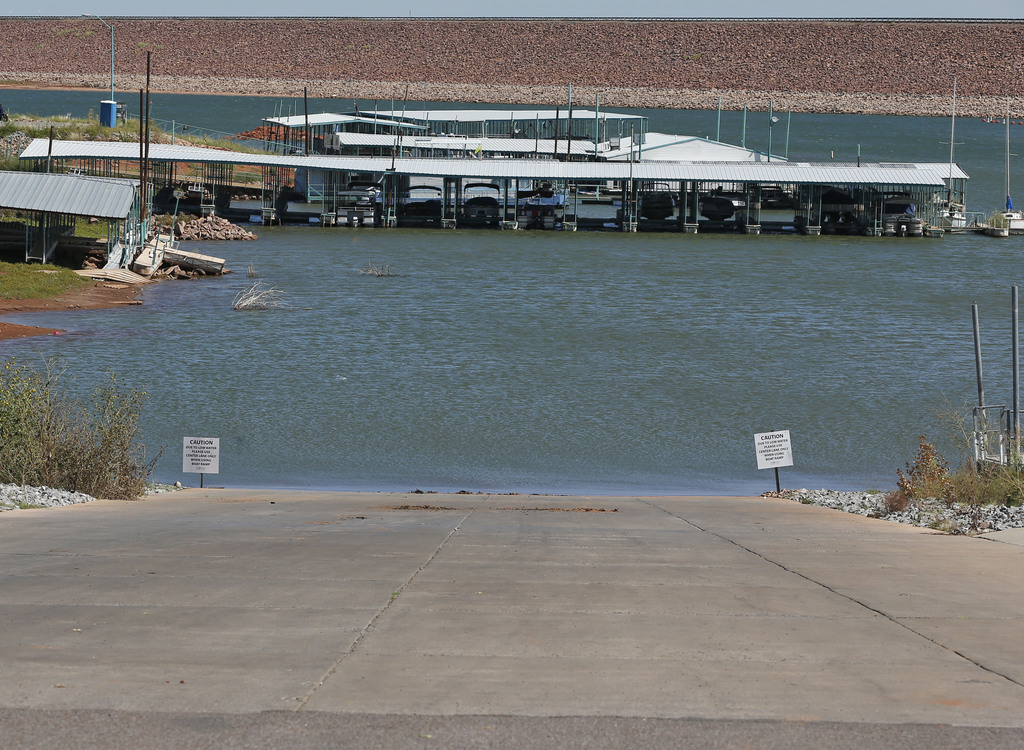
<point x="1009" y="200"/>
<point x="952" y="142"/>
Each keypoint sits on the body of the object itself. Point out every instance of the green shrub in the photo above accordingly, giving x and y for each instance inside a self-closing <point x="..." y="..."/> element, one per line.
<point x="49" y="438"/>
<point x="988" y="484"/>
<point x="974" y="485"/>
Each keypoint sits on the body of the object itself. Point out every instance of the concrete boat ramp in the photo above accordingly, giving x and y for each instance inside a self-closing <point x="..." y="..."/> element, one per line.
<point x="265" y="619"/>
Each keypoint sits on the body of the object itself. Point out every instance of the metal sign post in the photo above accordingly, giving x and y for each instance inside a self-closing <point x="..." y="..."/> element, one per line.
<point x="774" y="449"/>
<point x="200" y="455"/>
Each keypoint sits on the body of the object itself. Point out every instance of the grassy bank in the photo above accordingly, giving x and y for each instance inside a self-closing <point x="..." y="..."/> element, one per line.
<point x="22" y="128"/>
<point x="21" y="281"/>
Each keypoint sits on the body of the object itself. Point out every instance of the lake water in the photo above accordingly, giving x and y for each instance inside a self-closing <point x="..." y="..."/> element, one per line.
<point x="560" y="362"/>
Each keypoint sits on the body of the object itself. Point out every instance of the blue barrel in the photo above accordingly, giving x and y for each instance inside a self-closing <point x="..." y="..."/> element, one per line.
<point x="108" y="113"/>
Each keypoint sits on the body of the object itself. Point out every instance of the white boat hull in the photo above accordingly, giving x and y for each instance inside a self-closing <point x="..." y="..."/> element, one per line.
<point x="1005" y="223"/>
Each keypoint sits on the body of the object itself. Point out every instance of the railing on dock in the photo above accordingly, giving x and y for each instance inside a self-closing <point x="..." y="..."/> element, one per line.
<point x="993" y="434"/>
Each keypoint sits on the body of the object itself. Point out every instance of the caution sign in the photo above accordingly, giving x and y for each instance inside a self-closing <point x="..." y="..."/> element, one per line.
<point x="773" y="449"/>
<point x="201" y="455"/>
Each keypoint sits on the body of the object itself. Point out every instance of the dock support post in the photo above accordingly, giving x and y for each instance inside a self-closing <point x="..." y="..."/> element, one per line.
<point x="753" y="213"/>
<point x="681" y="203"/>
<point x="504" y="205"/>
<point x="449" y="203"/>
<point x="388" y="195"/>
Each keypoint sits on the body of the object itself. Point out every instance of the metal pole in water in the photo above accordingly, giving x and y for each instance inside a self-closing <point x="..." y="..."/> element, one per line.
<point x="977" y="356"/>
<point x="558" y="114"/>
<point x="789" y="121"/>
<point x="1016" y="369"/>
<point x="718" y="133"/>
<point x="305" y="107"/>
<point x="743" y="138"/>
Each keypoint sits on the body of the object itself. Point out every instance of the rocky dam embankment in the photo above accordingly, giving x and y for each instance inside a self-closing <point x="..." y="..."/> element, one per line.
<point x="877" y="67"/>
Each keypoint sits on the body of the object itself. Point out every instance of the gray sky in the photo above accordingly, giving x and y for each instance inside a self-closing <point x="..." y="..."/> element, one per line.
<point x="542" y="8"/>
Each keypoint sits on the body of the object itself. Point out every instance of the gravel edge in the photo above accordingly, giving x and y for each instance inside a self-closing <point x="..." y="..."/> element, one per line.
<point x="933" y="513"/>
<point x="23" y="497"/>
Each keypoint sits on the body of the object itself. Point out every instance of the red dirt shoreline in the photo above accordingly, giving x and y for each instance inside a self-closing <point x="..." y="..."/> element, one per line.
<point x="96" y="297"/>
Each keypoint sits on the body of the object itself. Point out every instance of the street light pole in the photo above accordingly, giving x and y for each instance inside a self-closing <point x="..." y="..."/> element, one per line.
<point x="93" y="15"/>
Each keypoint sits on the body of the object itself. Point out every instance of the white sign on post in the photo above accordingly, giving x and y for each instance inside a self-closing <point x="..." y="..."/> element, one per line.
<point x="200" y="455"/>
<point x="773" y="449"/>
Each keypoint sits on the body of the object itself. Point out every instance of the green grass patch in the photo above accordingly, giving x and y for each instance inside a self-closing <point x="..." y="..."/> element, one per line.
<point x="86" y="228"/>
<point x="23" y="281"/>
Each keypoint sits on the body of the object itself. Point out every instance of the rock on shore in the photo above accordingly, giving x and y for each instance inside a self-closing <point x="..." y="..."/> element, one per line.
<point x="954" y="519"/>
<point x="210" y="228"/>
<point x="14" y="496"/>
<point x="821" y="66"/>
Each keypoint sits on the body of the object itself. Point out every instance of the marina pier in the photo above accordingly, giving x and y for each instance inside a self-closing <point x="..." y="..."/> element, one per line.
<point x="340" y="190"/>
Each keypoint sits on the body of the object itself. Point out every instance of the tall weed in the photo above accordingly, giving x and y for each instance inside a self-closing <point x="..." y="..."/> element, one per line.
<point x="928" y="476"/>
<point x="50" y="438"/>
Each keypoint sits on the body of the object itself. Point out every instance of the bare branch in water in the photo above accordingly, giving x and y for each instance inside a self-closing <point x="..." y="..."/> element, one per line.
<point x="384" y="269"/>
<point x="258" y="297"/>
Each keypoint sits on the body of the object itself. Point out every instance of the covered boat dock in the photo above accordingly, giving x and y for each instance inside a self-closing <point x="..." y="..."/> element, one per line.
<point x="53" y="202"/>
<point x="537" y="131"/>
<point x="626" y="195"/>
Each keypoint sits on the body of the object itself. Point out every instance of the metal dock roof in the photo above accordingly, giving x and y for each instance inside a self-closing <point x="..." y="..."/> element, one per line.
<point x="330" y="118"/>
<point x="657" y="147"/>
<point x="483" y="115"/>
<point x="812" y="173"/>
<point x="81" y="195"/>
<point x="467" y="144"/>
<point x="406" y="117"/>
<point x="666" y="147"/>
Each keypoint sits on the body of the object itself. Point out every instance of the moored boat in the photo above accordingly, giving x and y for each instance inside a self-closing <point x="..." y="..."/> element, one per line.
<point x="541" y="208"/>
<point x="1009" y="220"/>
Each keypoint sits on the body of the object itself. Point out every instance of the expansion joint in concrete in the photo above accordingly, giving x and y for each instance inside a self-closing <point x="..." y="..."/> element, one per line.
<point x="858" y="602"/>
<point x="380" y="613"/>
